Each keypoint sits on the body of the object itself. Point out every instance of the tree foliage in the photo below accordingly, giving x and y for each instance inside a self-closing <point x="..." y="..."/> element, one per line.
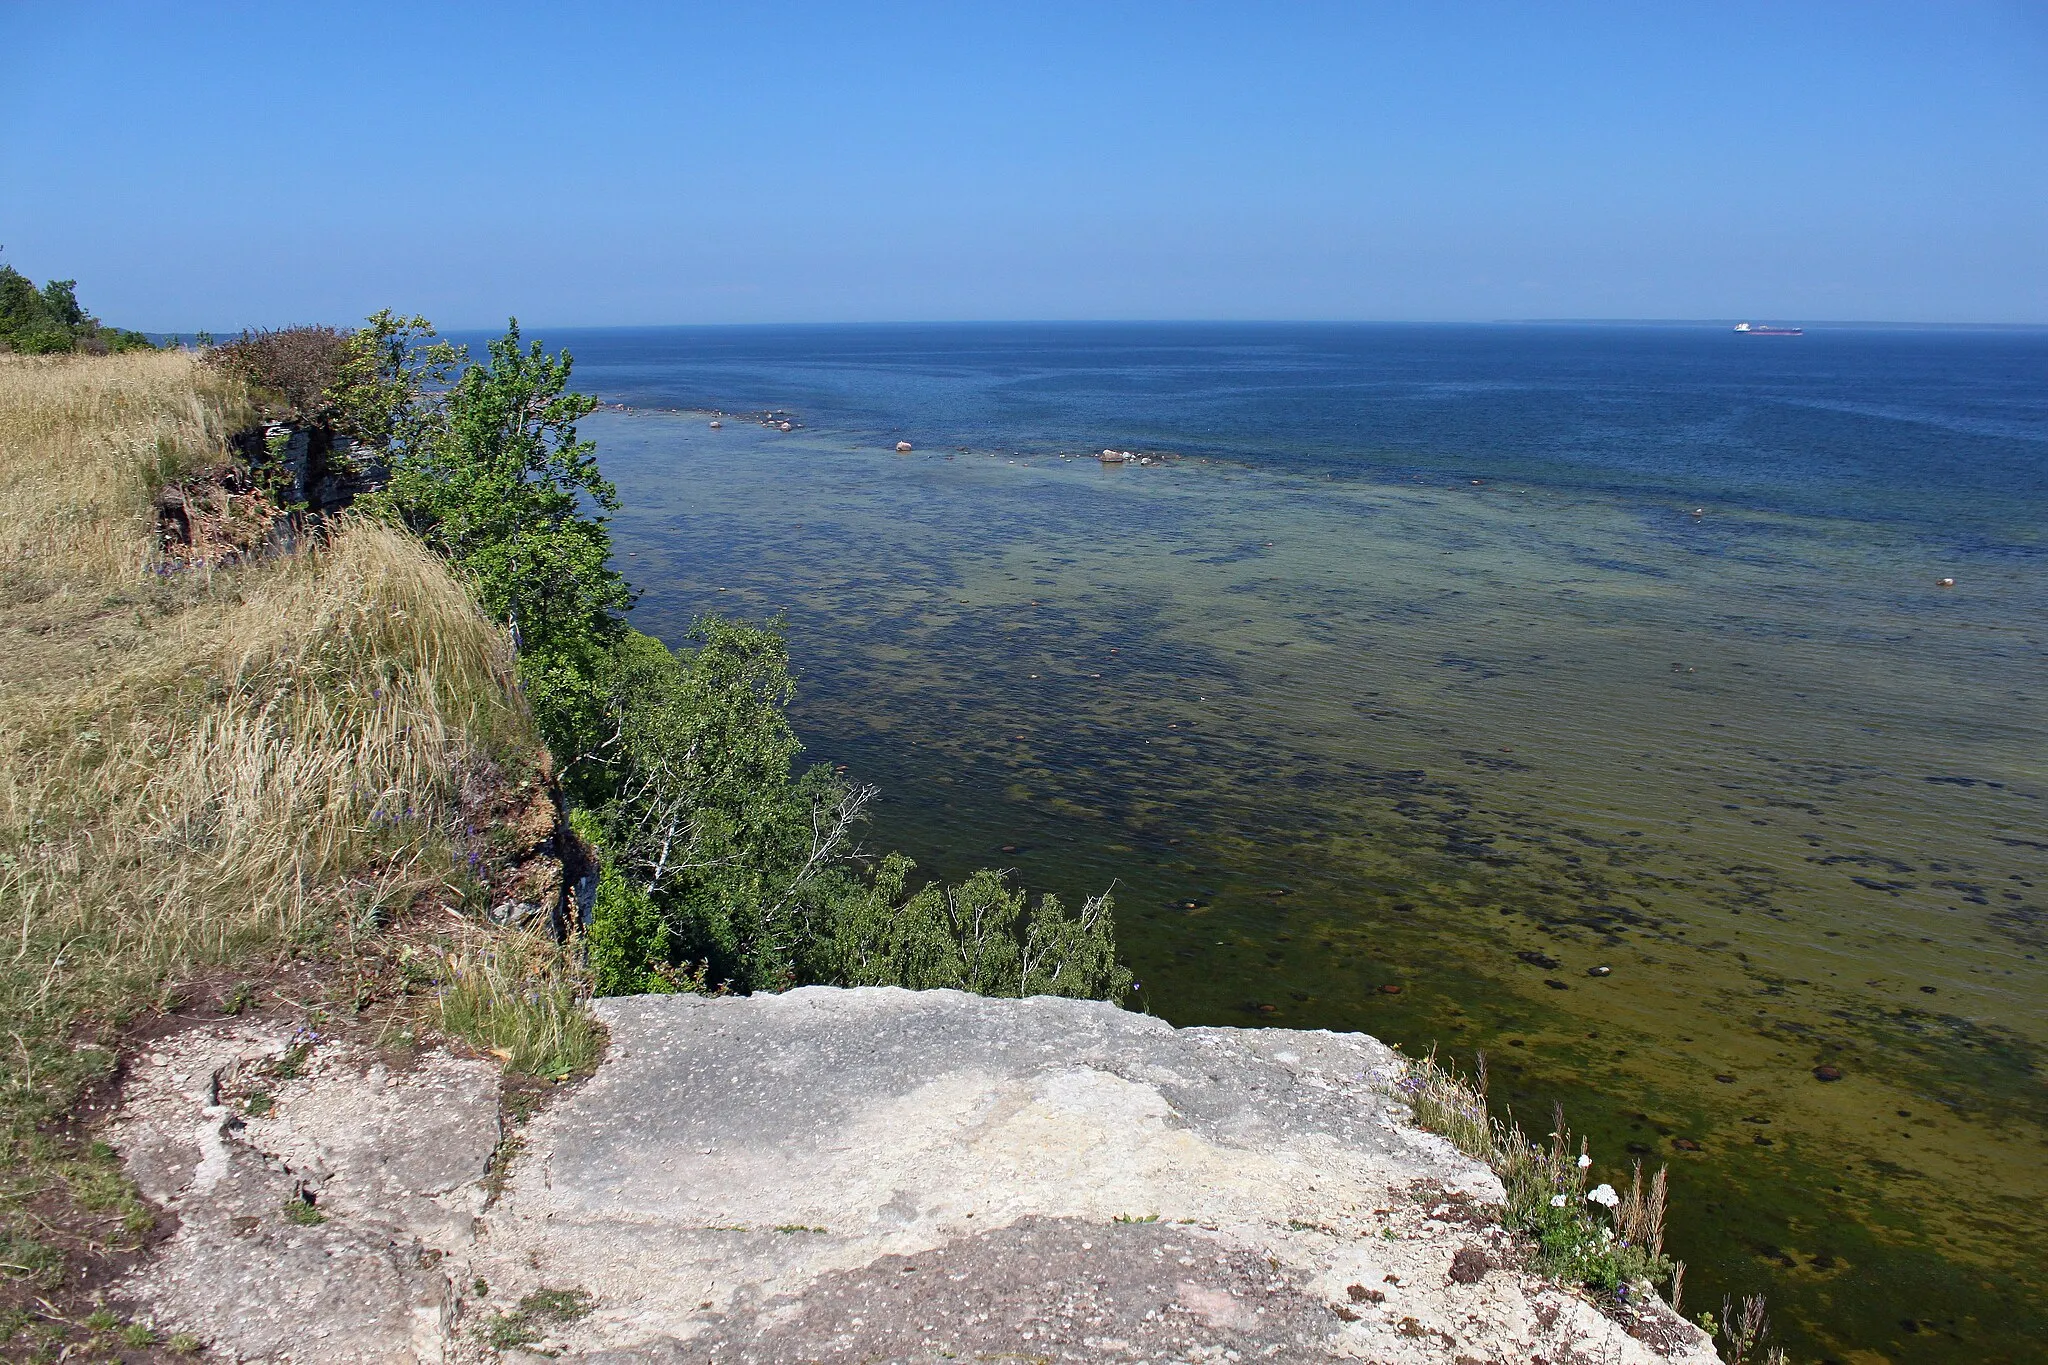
<point x="732" y="865"/>
<point x="979" y="936"/>
<point x="50" y="320"/>
<point x="629" y="944"/>
<point x="493" y="476"/>
<point x="723" y="864"/>
<point x="702" y="809"/>
<point x="387" y="386"/>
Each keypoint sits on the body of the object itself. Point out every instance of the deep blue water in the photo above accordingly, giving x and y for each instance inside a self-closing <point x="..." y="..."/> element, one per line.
<point x="1941" y="431"/>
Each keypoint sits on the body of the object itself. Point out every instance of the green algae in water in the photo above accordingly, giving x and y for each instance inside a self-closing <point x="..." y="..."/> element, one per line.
<point x="1474" y="743"/>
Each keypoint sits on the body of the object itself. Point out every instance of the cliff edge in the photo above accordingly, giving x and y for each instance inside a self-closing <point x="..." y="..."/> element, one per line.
<point x="861" y="1175"/>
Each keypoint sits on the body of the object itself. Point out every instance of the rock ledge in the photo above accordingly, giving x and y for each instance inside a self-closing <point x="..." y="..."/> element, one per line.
<point x="870" y="1175"/>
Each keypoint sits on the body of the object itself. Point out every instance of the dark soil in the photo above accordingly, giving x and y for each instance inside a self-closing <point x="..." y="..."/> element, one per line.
<point x="1043" y="1289"/>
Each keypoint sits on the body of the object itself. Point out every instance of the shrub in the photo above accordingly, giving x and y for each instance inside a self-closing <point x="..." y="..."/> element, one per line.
<point x="629" y="945"/>
<point x="378" y="383"/>
<point x="1599" y="1238"/>
<point x="292" y="370"/>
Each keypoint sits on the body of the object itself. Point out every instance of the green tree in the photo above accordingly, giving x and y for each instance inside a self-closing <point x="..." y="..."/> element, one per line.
<point x="495" y="479"/>
<point x="386" y="389"/>
<point x="60" y="304"/>
<point x="721" y="863"/>
<point x="725" y="863"/>
<point x="27" y="322"/>
<point x="703" y="812"/>
<point x="980" y="936"/>
<point x="50" y="320"/>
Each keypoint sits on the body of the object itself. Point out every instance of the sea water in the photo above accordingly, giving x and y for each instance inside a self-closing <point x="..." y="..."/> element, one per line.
<point x="1585" y="696"/>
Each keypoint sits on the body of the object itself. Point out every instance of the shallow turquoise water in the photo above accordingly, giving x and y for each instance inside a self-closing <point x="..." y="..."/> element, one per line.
<point x="1328" y="732"/>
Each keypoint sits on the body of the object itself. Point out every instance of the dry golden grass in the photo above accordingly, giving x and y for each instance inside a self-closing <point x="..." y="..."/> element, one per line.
<point x="214" y="782"/>
<point x="203" y="767"/>
<point x="84" y="443"/>
<point x="196" y="768"/>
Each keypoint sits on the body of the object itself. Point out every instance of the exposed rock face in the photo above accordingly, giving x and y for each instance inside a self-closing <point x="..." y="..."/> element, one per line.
<point x="391" y="1163"/>
<point x="539" y="873"/>
<point x="881" y="1174"/>
<point x="212" y="519"/>
<point x="313" y="467"/>
<point x="261" y="502"/>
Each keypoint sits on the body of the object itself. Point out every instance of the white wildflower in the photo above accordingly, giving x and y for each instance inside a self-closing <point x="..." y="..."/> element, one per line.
<point x="1557" y="1201"/>
<point x="1604" y="1195"/>
<point x="1584" y="1161"/>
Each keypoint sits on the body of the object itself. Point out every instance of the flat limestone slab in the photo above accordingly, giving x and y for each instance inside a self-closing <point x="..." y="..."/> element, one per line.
<point x="391" y="1161"/>
<point x="767" y="1178"/>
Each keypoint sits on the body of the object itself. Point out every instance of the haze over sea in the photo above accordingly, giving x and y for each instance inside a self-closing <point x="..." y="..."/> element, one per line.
<point x="1447" y="666"/>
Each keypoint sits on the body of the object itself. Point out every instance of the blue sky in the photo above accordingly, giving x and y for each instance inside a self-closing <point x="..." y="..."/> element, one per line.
<point x="223" y="165"/>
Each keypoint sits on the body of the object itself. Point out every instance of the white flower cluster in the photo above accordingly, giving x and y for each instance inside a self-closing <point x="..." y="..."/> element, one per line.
<point x="1604" y="1196"/>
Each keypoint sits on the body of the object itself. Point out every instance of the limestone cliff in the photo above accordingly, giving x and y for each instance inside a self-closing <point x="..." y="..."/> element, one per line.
<point x="873" y="1175"/>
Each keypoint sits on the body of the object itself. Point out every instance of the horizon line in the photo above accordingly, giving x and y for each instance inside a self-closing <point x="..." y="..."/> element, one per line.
<point x="1729" y="321"/>
<point x="1842" y="324"/>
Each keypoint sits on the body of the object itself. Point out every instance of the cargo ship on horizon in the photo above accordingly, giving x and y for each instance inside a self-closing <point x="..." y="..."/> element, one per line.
<point x="1748" y="330"/>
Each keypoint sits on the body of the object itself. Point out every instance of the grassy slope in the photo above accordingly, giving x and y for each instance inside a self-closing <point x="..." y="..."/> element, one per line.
<point x="218" y="772"/>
